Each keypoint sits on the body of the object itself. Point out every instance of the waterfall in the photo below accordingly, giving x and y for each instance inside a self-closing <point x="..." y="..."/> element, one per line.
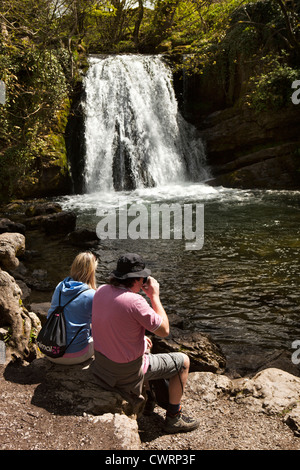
<point x="134" y="134"/>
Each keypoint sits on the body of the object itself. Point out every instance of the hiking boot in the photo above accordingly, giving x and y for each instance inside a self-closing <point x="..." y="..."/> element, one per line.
<point x="180" y="423"/>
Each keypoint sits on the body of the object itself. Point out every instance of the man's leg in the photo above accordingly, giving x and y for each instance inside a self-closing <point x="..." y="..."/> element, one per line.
<point x="177" y="382"/>
<point x="175" y="367"/>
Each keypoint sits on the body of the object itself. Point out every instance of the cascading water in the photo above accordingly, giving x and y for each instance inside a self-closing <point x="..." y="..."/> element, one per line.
<point x="134" y="134"/>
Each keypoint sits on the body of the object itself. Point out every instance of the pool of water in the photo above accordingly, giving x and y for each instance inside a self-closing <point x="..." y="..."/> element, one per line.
<point x="242" y="286"/>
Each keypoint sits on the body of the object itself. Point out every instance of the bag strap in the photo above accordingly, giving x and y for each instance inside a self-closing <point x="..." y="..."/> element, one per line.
<point x="72" y="297"/>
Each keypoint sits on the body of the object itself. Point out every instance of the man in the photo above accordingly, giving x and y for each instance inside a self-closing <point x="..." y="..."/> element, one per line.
<point x="120" y="317"/>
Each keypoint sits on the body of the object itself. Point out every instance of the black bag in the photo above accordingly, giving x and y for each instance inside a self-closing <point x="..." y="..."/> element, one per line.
<point x="52" y="339"/>
<point x="160" y="388"/>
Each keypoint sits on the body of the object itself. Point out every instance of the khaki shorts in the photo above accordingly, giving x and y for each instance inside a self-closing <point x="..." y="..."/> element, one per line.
<point x="164" y="366"/>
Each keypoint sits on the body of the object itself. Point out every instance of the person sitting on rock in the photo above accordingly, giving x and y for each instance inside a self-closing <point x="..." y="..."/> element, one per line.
<point x="120" y="318"/>
<point x="78" y="313"/>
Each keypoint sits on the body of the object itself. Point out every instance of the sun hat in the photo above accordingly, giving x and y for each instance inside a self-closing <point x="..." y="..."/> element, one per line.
<point x="130" y="265"/>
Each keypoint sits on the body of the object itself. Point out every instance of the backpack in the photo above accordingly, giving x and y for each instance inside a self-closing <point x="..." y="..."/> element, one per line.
<point x="52" y="338"/>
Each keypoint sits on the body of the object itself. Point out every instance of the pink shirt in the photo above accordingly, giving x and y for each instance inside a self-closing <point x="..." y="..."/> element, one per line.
<point x="119" y="320"/>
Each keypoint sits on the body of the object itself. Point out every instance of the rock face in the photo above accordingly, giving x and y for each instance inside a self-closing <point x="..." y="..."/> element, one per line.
<point x="247" y="149"/>
<point x="17" y="325"/>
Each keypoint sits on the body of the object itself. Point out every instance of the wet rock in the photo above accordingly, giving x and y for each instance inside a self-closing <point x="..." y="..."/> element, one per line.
<point x="204" y="354"/>
<point x="7" y="225"/>
<point x="53" y="224"/>
<point x="40" y="309"/>
<point x="83" y="237"/>
<point x="42" y="209"/>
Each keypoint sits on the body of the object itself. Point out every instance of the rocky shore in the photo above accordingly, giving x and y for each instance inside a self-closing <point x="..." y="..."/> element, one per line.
<point x="45" y="406"/>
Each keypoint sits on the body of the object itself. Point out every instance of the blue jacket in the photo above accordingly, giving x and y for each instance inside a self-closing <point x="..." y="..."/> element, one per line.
<point x="77" y="313"/>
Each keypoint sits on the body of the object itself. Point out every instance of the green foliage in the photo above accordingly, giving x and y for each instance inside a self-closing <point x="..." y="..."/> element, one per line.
<point x="272" y="89"/>
<point x="249" y="50"/>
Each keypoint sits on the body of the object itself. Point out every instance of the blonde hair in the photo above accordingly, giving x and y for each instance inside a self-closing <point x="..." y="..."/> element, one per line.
<point x="83" y="269"/>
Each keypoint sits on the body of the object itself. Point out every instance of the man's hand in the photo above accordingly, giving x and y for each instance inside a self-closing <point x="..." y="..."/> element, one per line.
<point x="151" y="288"/>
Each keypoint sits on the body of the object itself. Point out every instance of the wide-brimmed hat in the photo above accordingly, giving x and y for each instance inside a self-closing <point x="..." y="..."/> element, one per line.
<point x="131" y="265"/>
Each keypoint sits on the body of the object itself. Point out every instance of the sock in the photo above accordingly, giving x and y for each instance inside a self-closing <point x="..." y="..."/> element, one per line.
<point x="173" y="410"/>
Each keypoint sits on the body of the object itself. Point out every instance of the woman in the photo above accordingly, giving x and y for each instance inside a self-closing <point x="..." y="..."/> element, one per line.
<point x="78" y="313"/>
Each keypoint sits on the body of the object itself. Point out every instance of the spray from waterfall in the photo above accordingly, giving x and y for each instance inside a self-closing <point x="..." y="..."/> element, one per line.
<point x="134" y="134"/>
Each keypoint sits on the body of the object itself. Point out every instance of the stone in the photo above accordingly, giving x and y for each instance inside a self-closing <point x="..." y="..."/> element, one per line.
<point x="12" y="245"/>
<point x="75" y="386"/>
<point x="42" y="209"/>
<point x="272" y="390"/>
<point x="204" y="354"/>
<point x="52" y="224"/>
<point x="15" y="318"/>
<point x="83" y="237"/>
<point x="124" y="430"/>
<point x="208" y="386"/>
<point x="7" y="225"/>
<point x="25" y="290"/>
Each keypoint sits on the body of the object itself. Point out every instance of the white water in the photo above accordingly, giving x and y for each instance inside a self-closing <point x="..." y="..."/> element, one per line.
<point x="135" y="136"/>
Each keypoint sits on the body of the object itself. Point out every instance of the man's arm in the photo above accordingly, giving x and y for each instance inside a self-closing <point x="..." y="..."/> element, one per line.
<point x="151" y="289"/>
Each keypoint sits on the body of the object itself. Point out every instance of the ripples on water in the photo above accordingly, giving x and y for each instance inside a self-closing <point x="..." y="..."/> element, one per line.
<point x="242" y="287"/>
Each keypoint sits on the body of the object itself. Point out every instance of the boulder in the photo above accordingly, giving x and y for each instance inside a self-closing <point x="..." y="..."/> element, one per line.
<point x="272" y="391"/>
<point x="12" y="245"/>
<point x="52" y="224"/>
<point x="7" y="225"/>
<point x="122" y="431"/>
<point x="19" y="324"/>
<point x="208" y="386"/>
<point x="75" y="388"/>
<point x="42" y="208"/>
<point x="83" y="237"/>
<point x="204" y="354"/>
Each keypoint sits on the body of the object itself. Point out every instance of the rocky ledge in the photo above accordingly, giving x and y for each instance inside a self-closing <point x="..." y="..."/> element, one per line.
<point x="249" y="149"/>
